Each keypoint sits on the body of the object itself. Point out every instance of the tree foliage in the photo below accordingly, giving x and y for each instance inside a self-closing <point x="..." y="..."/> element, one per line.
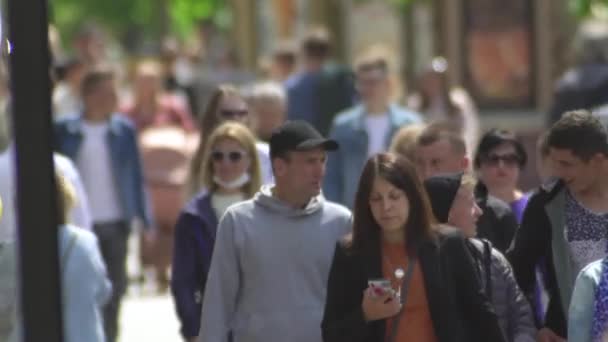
<point x="153" y="17"/>
<point x="584" y="8"/>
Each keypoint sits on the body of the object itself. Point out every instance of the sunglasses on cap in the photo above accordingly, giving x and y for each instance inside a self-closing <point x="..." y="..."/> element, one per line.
<point x="233" y="114"/>
<point x="233" y="156"/>
<point x="508" y="159"/>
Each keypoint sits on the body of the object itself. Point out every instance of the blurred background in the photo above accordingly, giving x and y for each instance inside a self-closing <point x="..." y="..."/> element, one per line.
<point x="516" y="59"/>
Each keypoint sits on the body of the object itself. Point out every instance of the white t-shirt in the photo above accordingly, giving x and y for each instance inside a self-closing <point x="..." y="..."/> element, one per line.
<point x="95" y="165"/>
<point x="377" y="127"/>
<point x="221" y="202"/>
<point x="265" y="165"/>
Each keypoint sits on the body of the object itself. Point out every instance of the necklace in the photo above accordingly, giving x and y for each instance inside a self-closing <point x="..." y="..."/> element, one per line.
<point x="397" y="274"/>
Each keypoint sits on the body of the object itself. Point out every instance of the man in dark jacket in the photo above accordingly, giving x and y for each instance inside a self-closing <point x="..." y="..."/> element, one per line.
<point x="562" y="223"/>
<point x="440" y="150"/>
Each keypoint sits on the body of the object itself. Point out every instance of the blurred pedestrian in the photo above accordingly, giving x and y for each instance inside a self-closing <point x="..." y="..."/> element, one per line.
<point x="231" y="174"/>
<point x="283" y="62"/>
<point x="103" y="145"/>
<point x="164" y="125"/>
<point x="226" y="104"/>
<point x="268" y="103"/>
<point x="272" y="254"/>
<point x="439" y="101"/>
<point x="85" y="284"/>
<point x="432" y="292"/>
<point x="322" y="88"/>
<point x="365" y="129"/>
<point x="151" y="105"/>
<point x="499" y="160"/>
<point x="564" y="225"/>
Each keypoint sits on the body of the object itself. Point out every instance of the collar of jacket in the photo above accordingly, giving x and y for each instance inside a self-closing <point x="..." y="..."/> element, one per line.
<point x="359" y="123"/>
<point x="75" y="126"/>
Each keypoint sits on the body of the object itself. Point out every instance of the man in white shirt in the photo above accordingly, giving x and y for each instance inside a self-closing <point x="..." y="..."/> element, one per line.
<point x="103" y="145"/>
<point x="365" y="129"/>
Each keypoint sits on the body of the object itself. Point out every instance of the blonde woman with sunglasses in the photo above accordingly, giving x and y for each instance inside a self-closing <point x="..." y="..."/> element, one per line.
<point x="230" y="173"/>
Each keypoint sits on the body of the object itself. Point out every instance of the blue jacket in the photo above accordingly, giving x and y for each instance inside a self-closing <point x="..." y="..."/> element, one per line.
<point x="126" y="163"/>
<point x="194" y="239"/>
<point x="344" y="166"/>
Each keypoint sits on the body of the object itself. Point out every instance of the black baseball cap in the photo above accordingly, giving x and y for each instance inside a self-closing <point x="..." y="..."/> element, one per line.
<point x="298" y="135"/>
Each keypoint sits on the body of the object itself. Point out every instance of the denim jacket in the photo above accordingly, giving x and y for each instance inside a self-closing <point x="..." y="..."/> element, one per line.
<point x="344" y="166"/>
<point x="126" y="162"/>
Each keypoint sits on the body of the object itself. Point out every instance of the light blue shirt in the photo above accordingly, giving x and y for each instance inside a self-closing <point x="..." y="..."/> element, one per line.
<point x="85" y="284"/>
<point x="582" y="304"/>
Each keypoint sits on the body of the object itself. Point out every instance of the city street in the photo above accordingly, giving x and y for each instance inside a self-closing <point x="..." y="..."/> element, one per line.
<point x="149" y="317"/>
<point x="146" y="315"/>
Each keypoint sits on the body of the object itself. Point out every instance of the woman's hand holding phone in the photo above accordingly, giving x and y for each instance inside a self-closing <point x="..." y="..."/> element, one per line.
<point x="380" y="303"/>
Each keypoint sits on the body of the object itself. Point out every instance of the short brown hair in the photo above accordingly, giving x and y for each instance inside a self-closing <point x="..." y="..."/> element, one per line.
<point x="316" y="43"/>
<point x="443" y="130"/>
<point x="94" y="77"/>
<point x="581" y="133"/>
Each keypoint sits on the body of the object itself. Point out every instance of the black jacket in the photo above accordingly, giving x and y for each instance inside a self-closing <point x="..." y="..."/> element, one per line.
<point x="497" y="224"/>
<point x="532" y="246"/>
<point x="459" y="309"/>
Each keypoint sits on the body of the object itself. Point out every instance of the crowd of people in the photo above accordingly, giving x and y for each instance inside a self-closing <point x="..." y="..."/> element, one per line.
<point x="313" y="205"/>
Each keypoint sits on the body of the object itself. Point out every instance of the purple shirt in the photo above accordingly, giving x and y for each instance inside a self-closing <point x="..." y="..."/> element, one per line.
<point x="518" y="207"/>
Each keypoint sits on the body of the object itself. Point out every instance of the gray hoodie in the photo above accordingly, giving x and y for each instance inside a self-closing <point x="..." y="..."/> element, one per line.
<point x="269" y="270"/>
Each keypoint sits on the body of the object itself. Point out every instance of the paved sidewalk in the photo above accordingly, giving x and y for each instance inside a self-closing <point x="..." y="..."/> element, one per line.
<point x="149" y="318"/>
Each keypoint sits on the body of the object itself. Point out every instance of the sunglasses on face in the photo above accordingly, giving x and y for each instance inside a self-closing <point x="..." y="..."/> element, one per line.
<point x="507" y="159"/>
<point x="233" y="114"/>
<point x="233" y="156"/>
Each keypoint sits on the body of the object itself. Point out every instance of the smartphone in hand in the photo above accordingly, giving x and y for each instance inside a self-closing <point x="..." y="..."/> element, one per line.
<point x="380" y="287"/>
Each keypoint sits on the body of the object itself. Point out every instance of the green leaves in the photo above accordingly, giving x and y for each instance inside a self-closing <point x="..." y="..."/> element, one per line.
<point x="585" y="8"/>
<point x="121" y="16"/>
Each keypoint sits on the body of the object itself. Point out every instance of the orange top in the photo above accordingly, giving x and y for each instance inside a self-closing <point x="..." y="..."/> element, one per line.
<point x="416" y="325"/>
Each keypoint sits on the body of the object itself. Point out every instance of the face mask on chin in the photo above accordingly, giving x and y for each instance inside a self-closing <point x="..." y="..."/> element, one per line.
<point x="233" y="184"/>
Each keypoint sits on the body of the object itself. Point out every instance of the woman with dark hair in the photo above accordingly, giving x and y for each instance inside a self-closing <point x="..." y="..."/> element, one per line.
<point x="499" y="160"/>
<point x="398" y="277"/>
<point x="226" y="104"/>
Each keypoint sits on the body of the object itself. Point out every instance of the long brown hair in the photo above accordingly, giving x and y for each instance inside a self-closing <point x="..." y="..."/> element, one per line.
<point x="209" y="121"/>
<point x="401" y="173"/>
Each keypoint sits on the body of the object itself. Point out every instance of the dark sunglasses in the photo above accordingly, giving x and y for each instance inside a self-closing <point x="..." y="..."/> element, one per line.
<point x="233" y="156"/>
<point x="233" y="114"/>
<point x="507" y="159"/>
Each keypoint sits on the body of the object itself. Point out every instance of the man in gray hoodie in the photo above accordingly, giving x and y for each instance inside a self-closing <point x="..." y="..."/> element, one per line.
<point x="268" y="275"/>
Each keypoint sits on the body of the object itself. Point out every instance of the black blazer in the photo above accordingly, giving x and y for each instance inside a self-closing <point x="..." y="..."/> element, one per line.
<point x="459" y="309"/>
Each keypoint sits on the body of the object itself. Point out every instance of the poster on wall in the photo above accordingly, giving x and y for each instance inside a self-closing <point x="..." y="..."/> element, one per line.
<point x="498" y="38"/>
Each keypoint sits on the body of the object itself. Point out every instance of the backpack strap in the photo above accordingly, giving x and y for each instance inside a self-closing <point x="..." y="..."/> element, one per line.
<point x="487" y="264"/>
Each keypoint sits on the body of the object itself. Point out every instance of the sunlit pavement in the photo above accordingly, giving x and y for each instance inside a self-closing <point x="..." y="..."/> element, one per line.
<point x="146" y="316"/>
